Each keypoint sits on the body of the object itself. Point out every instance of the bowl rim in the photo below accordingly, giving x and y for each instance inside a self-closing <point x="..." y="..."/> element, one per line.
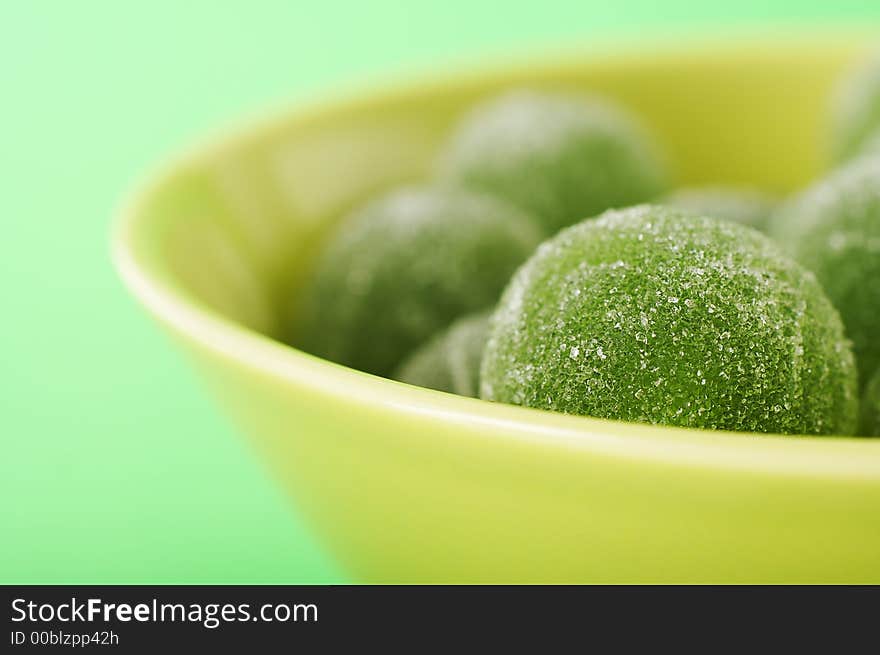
<point x="146" y="276"/>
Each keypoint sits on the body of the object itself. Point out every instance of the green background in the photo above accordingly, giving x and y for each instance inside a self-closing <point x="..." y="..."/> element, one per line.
<point x="114" y="465"/>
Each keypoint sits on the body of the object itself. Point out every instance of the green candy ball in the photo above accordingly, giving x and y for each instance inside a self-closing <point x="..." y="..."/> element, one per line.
<point x="652" y="315"/>
<point x="450" y="361"/>
<point x="833" y="228"/>
<point x="738" y="204"/>
<point x="855" y="110"/>
<point x="561" y="158"/>
<point x="406" y="266"/>
<point x="870" y="423"/>
<point x="870" y="146"/>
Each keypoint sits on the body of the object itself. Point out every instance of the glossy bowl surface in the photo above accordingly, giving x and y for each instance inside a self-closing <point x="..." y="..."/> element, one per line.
<point x="410" y="485"/>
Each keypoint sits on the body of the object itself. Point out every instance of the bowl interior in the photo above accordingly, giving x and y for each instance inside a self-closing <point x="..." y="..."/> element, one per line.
<point x="228" y="233"/>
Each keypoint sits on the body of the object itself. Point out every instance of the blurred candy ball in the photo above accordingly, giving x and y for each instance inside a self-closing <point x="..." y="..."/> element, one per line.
<point x="651" y="315"/>
<point x="739" y="204"/>
<point x="870" y="424"/>
<point x="405" y="267"/>
<point x="855" y="110"/>
<point x="450" y="361"/>
<point x="871" y="145"/>
<point x="561" y="158"/>
<point x="833" y="228"/>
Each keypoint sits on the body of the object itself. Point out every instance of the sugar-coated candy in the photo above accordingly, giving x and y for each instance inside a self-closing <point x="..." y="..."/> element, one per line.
<point x="653" y="315"/>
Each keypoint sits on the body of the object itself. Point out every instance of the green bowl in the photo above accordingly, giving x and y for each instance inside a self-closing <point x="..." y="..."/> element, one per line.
<point x="409" y="485"/>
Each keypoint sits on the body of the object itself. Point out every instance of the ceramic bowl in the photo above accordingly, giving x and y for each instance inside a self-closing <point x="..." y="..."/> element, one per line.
<point x="405" y="484"/>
